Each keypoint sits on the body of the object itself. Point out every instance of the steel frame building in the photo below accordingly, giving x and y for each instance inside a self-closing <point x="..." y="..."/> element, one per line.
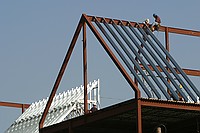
<point x="138" y="115"/>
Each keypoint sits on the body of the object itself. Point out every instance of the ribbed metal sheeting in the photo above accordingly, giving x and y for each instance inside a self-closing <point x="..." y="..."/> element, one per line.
<point x="138" y="48"/>
<point x="65" y="106"/>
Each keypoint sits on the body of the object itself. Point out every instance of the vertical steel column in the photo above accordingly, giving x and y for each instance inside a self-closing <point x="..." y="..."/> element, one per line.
<point x="23" y="108"/>
<point x="85" y="68"/>
<point x="167" y="41"/>
<point x="167" y="48"/>
<point x="139" y="117"/>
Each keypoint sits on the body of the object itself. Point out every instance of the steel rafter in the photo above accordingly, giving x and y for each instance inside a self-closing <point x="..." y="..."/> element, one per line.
<point x="61" y="72"/>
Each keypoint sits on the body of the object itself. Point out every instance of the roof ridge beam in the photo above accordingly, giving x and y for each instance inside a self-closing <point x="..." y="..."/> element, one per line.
<point x="162" y="27"/>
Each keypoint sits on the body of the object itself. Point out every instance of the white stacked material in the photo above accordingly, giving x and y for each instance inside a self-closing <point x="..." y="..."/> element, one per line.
<point x="65" y="106"/>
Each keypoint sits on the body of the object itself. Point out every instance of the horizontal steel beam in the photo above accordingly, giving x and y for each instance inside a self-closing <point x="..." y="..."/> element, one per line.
<point x="191" y="72"/>
<point x="180" y="31"/>
<point x="170" y="104"/>
<point x="15" y="105"/>
<point x="162" y="28"/>
<point x="187" y="71"/>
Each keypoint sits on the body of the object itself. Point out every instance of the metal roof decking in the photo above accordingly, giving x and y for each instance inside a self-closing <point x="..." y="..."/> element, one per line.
<point x="65" y="106"/>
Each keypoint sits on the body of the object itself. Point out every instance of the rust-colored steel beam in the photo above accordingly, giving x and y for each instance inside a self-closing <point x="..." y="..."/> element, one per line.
<point x="23" y="109"/>
<point x="167" y="48"/>
<point x="170" y="104"/>
<point x="180" y="31"/>
<point x="15" y="105"/>
<point x="112" y="56"/>
<point x="61" y="72"/>
<point x="189" y="72"/>
<point x="85" y="69"/>
<point x="162" y="28"/>
<point x="167" y="43"/>
<point x="167" y="40"/>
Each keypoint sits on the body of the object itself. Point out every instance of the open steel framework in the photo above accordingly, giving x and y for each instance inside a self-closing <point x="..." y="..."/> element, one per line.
<point x="89" y="21"/>
<point x="138" y="103"/>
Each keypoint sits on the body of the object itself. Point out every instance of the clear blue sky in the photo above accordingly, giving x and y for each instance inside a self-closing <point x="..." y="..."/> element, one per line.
<point x="35" y="35"/>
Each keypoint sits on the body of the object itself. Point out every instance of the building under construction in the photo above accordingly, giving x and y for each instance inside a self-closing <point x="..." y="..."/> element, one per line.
<point x="170" y="101"/>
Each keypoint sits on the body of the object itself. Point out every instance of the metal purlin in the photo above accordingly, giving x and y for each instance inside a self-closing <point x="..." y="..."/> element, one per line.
<point x="150" y="62"/>
<point x="158" y="62"/>
<point x="174" y="94"/>
<point x="133" y="60"/>
<point x="167" y="63"/>
<point x="174" y="63"/>
<point x="142" y="61"/>
<point x="123" y="57"/>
